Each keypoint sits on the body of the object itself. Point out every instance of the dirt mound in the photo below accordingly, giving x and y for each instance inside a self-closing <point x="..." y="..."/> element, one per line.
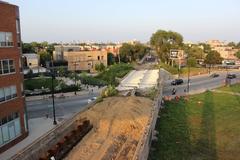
<point x="118" y="124"/>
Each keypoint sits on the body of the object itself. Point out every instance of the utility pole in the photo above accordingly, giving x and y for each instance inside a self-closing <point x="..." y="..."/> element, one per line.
<point x="53" y="102"/>
<point x="75" y="77"/>
<point x="188" y="64"/>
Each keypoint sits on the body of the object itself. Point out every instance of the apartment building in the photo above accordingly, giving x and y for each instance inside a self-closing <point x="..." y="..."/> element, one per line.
<point x="31" y="59"/>
<point x="85" y="60"/>
<point x="13" y="121"/>
<point x="226" y="52"/>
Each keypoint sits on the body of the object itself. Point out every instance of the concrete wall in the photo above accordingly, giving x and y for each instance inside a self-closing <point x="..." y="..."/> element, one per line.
<point x="44" y="143"/>
<point x="144" y="144"/>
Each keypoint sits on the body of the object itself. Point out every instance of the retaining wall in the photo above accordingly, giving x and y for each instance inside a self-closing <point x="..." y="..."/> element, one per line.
<point x="43" y="143"/>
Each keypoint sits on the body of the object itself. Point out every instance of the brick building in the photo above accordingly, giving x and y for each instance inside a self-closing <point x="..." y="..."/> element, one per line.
<point x="85" y="60"/>
<point x="13" y="121"/>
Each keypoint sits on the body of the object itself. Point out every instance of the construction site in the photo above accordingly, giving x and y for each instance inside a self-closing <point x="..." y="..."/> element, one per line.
<point x="118" y="124"/>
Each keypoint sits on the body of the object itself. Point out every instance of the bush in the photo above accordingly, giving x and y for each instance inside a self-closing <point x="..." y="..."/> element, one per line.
<point x="109" y="91"/>
<point x="113" y="72"/>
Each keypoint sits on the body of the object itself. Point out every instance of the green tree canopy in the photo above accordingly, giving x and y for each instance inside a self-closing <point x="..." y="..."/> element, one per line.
<point x="129" y="52"/>
<point x="195" y="51"/>
<point x="192" y="62"/>
<point x="27" y="48"/>
<point x="237" y="54"/>
<point x="206" y="47"/>
<point x="44" y="56"/>
<point x="100" y="67"/>
<point x="213" y="57"/>
<point x="163" y="41"/>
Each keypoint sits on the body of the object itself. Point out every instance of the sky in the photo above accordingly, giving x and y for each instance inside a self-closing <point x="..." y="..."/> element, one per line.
<point x="124" y="20"/>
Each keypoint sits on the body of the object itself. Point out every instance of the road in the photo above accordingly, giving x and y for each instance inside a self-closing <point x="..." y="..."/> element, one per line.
<point x="199" y="83"/>
<point x="64" y="107"/>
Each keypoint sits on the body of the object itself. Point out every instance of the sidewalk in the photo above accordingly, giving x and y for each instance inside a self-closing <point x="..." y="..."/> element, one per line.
<point x="63" y="95"/>
<point x="226" y="92"/>
<point x="37" y="128"/>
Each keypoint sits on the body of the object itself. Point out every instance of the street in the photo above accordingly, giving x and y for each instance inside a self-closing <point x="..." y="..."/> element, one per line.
<point x="64" y="106"/>
<point x="199" y="83"/>
<point x="70" y="105"/>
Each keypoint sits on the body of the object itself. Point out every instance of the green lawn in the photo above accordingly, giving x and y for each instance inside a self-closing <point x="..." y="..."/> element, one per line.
<point x="205" y="127"/>
<point x="232" y="88"/>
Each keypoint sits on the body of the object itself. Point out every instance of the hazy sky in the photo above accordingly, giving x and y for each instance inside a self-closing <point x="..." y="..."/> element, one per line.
<point x="121" y="20"/>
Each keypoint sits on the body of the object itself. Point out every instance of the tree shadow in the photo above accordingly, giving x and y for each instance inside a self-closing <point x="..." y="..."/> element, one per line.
<point x="206" y="145"/>
<point x="174" y="133"/>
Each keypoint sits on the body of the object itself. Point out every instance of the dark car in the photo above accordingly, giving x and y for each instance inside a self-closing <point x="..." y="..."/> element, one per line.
<point x="231" y="76"/>
<point x="177" y="82"/>
<point x="214" y="75"/>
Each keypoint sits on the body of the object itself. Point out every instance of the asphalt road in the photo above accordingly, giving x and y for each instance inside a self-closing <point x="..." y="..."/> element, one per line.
<point x="64" y="106"/>
<point x="200" y="83"/>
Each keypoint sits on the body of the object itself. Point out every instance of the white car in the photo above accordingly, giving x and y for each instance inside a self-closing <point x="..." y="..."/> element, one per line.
<point x="92" y="99"/>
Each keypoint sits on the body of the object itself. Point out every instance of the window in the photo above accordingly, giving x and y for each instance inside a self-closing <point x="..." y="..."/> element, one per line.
<point x="9" y="128"/>
<point x="98" y="57"/>
<point x="17" y="26"/>
<point x="7" y="66"/>
<point x="2" y="95"/>
<point x="8" y="93"/>
<point x="13" y="91"/>
<point x="11" y="66"/>
<point x="6" y="39"/>
<point x="102" y="57"/>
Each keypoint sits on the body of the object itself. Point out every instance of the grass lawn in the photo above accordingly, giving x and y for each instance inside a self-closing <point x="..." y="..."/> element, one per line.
<point x="232" y="88"/>
<point x="205" y="127"/>
<point x="184" y="70"/>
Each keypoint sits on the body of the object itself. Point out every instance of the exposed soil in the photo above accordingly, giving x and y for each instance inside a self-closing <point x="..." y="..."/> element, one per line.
<point x="118" y="125"/>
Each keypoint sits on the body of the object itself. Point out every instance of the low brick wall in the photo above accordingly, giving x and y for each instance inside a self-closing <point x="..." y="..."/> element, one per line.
<point x="44" y="143"/>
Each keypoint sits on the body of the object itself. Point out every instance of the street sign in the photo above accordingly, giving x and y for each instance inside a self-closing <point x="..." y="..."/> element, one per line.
<point x="173" y="54"/>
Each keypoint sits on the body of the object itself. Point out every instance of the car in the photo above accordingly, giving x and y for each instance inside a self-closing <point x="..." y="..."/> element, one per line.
<point x="177" y="82"/>
<point x="231" y="76"/>
<point x="92" y="99"/>
<point x="214" y="75"/>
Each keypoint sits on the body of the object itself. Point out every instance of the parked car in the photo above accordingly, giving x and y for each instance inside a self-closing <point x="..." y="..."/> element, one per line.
<point x="214" y="75"/>
<point x="231" y="76"/>
<point x="177" y="82"/>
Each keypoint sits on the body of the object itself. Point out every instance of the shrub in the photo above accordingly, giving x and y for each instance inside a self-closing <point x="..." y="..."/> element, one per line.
<point x="109" y="91"/>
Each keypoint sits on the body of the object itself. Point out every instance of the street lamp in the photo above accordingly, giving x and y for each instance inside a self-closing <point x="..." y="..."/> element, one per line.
<point x="188" y="82"/>
<point x="53" y="102"/>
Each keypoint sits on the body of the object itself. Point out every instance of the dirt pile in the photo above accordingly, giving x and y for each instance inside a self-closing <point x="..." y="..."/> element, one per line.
<point x="118" y="125"/>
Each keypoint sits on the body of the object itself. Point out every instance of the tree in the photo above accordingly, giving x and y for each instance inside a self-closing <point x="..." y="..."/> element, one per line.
<point x="132" y="52"/>
<point x="100" y="67"/>
<point x="206" y="47"/>
<point x="212" y="58"/>
<point x="192" y="62"/>
<point x="110" y="59"/>
<point x="163" y="41"/>
<point x="238" y="45"/>
<point x="27" y="48"/>
<point x="195" y="52"/>
<point x="44" y="56"/>
<point x="126" y="52"/>
<point x="237" y="54"/>
<point x="232" y="44"/>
